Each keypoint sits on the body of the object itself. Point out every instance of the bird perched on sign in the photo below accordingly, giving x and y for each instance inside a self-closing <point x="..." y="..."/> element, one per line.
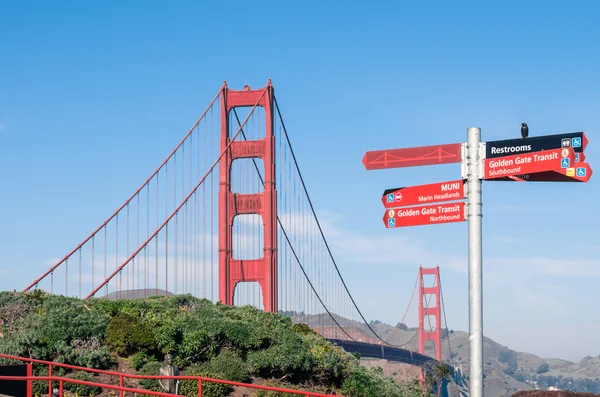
<point x="524" y="130"/>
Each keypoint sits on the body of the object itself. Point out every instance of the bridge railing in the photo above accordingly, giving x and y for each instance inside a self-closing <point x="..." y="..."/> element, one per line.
<point x="202" y="381"/>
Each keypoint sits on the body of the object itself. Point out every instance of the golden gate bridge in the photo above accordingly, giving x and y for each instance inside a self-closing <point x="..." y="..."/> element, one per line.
<point x="227" y="217"/>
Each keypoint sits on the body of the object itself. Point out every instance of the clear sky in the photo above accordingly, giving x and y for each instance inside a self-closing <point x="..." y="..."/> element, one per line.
<point x="93" y="95"/>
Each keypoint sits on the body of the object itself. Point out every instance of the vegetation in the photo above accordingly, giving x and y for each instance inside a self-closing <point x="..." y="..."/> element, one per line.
<point x="217" y="341"/>
<point x="568" y="383"/>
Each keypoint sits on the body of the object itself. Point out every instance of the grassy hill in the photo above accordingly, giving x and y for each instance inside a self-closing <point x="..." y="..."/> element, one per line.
<point x="237" y="343"/>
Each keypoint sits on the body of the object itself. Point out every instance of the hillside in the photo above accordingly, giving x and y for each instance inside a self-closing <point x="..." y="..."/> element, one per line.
<point x="507" y="371"/>
<point x="242" y="344"/>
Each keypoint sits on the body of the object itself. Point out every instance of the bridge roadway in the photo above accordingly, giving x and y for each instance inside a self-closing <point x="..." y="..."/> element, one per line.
<point x="384" y="352"/>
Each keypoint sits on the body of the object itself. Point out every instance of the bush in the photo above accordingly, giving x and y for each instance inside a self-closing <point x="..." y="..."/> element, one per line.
<point x="189" y="388"/>
<point x="228" y="366"/>
<point x="150" y="368"/>
<point x="543" y="368"/>
<point x="84" y="353"/>
<point x="402" y="326"/>
<point x="139" y="359"/>
<point x="289" y="357"/>
<point x="126" y="335"/>
<point x="330" y="362"/>
<point x="82" y="390"/>
<point x="360" y="384"/>
<point x="509" y="357"/>
<point x="363" y="382"/>
<point x="268" y="393"/>
<point x="303" y="329"/>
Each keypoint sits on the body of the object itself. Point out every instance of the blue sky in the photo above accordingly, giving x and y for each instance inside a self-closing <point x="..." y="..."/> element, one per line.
<point x="89" y="90"/>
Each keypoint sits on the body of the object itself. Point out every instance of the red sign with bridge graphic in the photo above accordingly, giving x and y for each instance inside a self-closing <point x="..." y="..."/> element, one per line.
<point x="413" y="157"/>
<point x="425" y="215"/>
<point x="424" y="194"/>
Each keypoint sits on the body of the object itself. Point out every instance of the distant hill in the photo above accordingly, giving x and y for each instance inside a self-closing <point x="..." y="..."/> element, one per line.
<point x="136" y="294"/>
<point x="507" y="371"/>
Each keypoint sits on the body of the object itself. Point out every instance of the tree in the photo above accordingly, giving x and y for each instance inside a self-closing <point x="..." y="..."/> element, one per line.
<point x="435" y="377"/>
<point x="402" y="326"/>
<point x="544" y="367"/>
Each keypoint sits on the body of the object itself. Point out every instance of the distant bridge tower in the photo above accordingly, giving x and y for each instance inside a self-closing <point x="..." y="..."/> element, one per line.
<point x="430" y="311"/>
<point x="263" y="270"/>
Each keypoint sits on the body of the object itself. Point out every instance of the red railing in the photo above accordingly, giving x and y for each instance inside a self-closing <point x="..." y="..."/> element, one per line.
<point x="121" y="376"/>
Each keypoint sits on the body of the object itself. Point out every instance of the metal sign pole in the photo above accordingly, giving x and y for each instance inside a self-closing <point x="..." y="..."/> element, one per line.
<point x="475" y="263"/>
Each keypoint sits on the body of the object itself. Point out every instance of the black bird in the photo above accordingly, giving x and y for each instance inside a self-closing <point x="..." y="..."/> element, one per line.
<point x="524" y="130"/>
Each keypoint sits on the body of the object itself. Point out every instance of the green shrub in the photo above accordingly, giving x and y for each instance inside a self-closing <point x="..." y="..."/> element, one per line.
<point x="330" y="368"/>
<point x="126" y="335"/>
<point x="40" y="388"/>
<point x="228" y="366"/>
<point x="150" y="368"/>
<point x="543" y="368"/>
<point x="360" y="384"/>
<point x="82" y="390"/>
<point x="189" y="388"/>
<point x="269" y="393"/>
<point x="363" y="382"/>
<point x="289" y="357"/>
<point x="84" y="353"/>
<point x="139" y="359"/>
<point x="303" y="329"/>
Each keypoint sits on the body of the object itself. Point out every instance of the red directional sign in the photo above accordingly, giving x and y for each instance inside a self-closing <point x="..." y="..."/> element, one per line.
<point x="425" y="215"/>
<point x="412" y="157"/>
<point x="581" y="172"/>
<point x="424" y="194"/>
<point x="529" y="163"/>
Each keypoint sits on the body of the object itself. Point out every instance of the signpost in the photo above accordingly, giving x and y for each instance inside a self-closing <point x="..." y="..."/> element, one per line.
<point x="423" y="194"/>
<point x="549" y="158"/>
<point x="425" y="215"/>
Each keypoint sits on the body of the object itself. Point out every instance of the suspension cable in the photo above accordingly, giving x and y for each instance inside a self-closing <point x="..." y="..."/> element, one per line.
<point x="174" y="213"/>
<point x="319" y="225"/>
<point x="288" y="240"/>
<point x="445" y="320"/>
<point x="404" y="316"/>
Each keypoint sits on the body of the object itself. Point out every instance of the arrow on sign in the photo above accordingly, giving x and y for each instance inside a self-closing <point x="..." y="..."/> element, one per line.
<point x="425" y="215"/>
<point x="580" y="172"/>
<point x="423" y="194"/>
<point x="413" y="157"/>
<point x="529" y="163"/>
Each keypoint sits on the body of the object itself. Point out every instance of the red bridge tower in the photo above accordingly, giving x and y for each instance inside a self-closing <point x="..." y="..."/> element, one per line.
<point x="431" y="309"/>
<point x="262" y="270"/>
